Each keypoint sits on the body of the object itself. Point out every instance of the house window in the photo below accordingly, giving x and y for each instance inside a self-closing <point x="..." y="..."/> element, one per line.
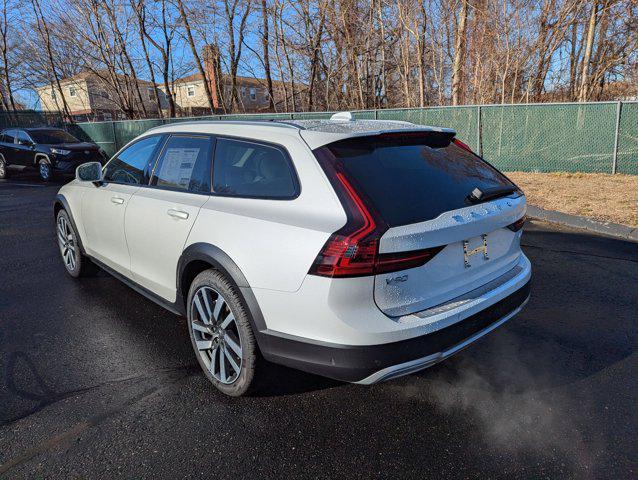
<point x="243" y="91"/>
<point x="53" y="94"/>
<point x="72" y="92"/>
<point x="108" y="116"/>
<point x="253" y="94"/>
<point x="190" y="90"/>
<point x="151" y="93"/>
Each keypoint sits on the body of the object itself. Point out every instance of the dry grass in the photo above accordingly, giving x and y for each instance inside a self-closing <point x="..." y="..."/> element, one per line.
<point x="601" y="196"/>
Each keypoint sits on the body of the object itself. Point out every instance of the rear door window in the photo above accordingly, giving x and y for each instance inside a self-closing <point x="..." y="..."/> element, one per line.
<point x="23" y="138"/>
<point x="410" y="181"/>
<point x="256" y="170"/>
<point x="9" y="136"/>
<point x="185" y="164"/>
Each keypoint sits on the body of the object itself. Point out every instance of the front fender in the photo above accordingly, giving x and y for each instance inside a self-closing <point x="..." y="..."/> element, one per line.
<point x="60" y="203"/>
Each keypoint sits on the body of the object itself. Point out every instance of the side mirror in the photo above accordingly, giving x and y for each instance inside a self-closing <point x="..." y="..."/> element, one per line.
<point x="89" y="172"/>
<point x="26" y="143"/>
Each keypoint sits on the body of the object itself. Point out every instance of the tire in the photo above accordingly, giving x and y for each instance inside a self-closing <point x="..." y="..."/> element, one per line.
<point x="45" y="170"/>
<point x="76" y="264"/>
<point x="4" y="171"/>
<point x="215" y="335"/>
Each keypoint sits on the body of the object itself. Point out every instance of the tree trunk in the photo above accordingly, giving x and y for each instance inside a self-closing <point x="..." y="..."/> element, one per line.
<point x="147" y="57"/>
<point x="589" y="44"/>
<point x="46" y="37"/>
<point x="265" y="40"/>
<point x="459" y="55"/>
<point x="198" y="62"/>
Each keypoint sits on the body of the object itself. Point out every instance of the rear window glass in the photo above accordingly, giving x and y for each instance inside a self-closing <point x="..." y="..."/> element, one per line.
<point x="248" y="169"/>
<point x="413" y="182"/>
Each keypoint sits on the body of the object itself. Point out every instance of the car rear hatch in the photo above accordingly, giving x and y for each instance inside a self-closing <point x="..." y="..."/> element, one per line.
<point x="439" y="220"/>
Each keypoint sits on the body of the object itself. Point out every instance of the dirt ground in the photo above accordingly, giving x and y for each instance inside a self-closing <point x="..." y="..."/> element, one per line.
<point x="601" y="196"/>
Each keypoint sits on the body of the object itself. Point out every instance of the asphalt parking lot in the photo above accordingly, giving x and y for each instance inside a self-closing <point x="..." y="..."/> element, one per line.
<point x="98" y="382"/>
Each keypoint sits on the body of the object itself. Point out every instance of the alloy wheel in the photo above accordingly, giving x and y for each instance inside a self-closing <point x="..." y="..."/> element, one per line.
<point x="45" y="170"/>
<point x="216" y="335"/>
<point x="2" y="168"/>
<point x="66" y="241"/>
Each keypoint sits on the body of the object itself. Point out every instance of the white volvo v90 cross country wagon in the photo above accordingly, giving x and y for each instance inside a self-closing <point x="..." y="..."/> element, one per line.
<point x="358" y="250"/>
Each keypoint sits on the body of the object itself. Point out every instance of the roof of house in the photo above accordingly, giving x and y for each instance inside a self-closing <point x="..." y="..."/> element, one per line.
<point x="241" y="81"/>
<point x="102" y="75"/>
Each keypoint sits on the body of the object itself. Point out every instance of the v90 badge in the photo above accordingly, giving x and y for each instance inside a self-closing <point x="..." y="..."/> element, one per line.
<point x="395" y="280"/>
<point x="467" y="253"/>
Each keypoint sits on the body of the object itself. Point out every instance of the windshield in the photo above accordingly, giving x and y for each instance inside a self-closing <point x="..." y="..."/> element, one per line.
<point x="52" y="137"/>
<point x="411" y="182"/>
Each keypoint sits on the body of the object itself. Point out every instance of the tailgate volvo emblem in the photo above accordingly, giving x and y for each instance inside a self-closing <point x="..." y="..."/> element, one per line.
<point x="468" y="253"/>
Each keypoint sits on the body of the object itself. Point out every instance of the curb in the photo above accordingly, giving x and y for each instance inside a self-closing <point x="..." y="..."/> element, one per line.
<point x="606" y="228"/>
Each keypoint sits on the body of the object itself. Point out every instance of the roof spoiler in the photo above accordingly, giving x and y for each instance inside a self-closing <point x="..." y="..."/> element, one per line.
<point x="431" y="138"/>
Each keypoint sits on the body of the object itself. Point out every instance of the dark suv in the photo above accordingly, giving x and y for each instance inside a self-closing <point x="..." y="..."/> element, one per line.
<point x="50" y="150"/>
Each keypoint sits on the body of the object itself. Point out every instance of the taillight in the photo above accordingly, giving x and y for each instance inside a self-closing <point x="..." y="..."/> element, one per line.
<point x="392" y="262"/>
<point x="518" y="224"/>
<point x="353" y="250"/>
<point x="464" y="146"/>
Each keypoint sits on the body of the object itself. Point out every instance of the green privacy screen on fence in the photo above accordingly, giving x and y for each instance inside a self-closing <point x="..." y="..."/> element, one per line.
<point x="628" y="139"/>
<point x="548" y="138"/>
<point x="584" y="137"/>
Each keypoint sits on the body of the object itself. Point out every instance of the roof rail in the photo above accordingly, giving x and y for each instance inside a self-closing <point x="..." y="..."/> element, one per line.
<point x="268" y="122"/>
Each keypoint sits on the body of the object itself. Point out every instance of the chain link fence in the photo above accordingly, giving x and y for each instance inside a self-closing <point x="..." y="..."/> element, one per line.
<point x="545" y="137"/>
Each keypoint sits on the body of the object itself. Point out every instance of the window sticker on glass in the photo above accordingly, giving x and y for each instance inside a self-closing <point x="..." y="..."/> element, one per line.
<point x="177" y="167"/>
<point x="185" y="164"/>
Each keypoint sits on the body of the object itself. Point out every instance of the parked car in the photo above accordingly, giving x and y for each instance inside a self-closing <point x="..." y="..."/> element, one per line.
<point x="51" y="151"/>
<point x="357" y="250"/>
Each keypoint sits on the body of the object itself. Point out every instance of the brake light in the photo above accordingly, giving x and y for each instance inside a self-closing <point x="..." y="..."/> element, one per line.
<point x="464" y="146"/>
<point x="518" y="224"/>
<point x="353" y="250"/>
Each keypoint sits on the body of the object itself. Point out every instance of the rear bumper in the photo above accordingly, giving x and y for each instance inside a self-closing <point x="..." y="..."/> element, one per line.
<point x="369" y="364"/>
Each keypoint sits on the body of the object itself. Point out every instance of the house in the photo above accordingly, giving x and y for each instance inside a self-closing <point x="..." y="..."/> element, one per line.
<point x="189" y="94"/>
<point x="93" y="96"/>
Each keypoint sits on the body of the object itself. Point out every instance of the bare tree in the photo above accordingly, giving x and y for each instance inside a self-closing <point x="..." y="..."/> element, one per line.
<point x="198" y="62"/>
<point x="235" y="9"/>
<point x="8" y="99"/>
<point x="265" y="41"/>
<point x="163" y="48"/>
<point x="459" y="53"/>
<point x="45" y="36"/>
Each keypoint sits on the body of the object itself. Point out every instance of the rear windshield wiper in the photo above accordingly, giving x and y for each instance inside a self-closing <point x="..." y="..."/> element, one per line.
<point x="482" y="195"/>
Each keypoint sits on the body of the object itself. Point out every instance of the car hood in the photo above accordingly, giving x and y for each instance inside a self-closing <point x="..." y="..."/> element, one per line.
<point x="76" y="146"/>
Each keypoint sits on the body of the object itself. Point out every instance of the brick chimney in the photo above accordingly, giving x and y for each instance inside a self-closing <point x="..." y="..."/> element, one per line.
<point x="210" y="54"/>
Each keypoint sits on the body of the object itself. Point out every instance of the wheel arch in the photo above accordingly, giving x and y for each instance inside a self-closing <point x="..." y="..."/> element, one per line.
<point x="61" y="203"/>
<point x="198" y="257"/>
<point x="38" y="156"/>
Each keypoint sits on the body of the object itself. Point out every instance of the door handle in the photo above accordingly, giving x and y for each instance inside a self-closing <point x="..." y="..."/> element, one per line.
<point x="117" y="200"/>
<point x="178" y="214"/>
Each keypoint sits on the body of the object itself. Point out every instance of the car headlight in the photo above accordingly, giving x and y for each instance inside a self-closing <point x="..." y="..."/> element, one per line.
<point x="60" y="151"/>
